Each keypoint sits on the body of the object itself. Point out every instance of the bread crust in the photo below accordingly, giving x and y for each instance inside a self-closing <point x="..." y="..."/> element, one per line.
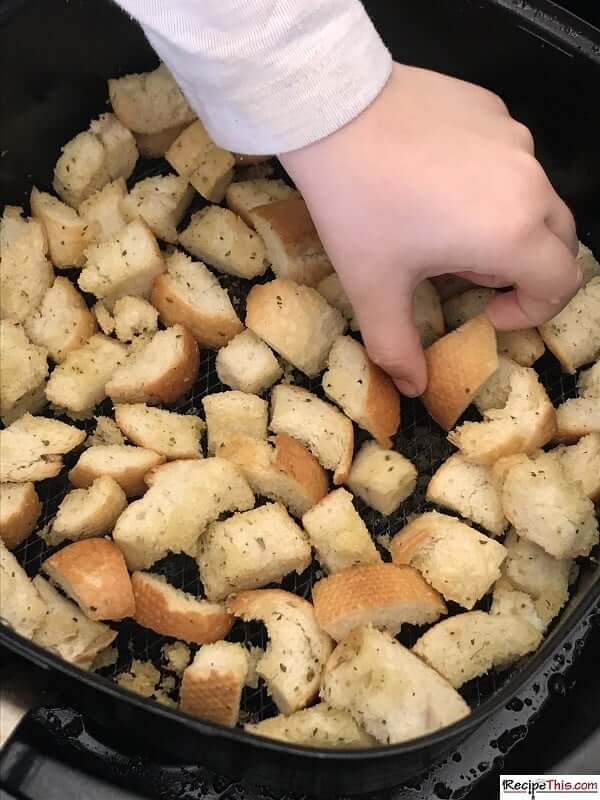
<point x="20" y="509"/>
<point x="213" y="692"/>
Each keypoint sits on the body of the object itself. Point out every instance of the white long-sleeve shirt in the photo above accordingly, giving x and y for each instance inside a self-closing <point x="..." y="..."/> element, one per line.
<point x="268" y="76"/>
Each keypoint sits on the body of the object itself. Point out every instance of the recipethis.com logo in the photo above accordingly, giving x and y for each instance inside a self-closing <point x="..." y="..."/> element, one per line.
<point x="553" y="787"/>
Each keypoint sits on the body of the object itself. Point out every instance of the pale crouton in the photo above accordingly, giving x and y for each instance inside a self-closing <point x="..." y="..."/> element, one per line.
<point x="458" y="365"/>
<point x="135" y="318"/>
<point x="105" y="320"/>
<point x="223" y="240"/>
<point x="382" y="595"/>
<point x="161" y="202"/>
<point x="319" y="726"/>
<point x="127" y="465"/>
<point x="577" y="417"/>
<point x="427" y="313"/>
<point x="31" y="449"/>
<point x="172" y="612"/>
<point x="93" y="573"/>
<point x="338" y="534"/>
<point x="86" y="513"/>
<point x="546" y="508"/>
<point x="326" y="432"/>
<point x="293" y="247"/>
<point x="105" y="432"/>
<point x="211" y="687"/>
<point x="250" y="550"/>
<point x="581" y="463"/>
<point x="470" y="490"/>
<point x="21" y="607"/>
<point x="172" y="435"/>
<point x="468" y="645"/>
<point x="78" y="383"/>
<point x="176" y="656"/>
<point x="588" y="263"/>
<point x="389" y="691"/>
<point x="284" y="471"/>
<point x="140" y="677"/>
<point x="362" y="390"/>
<point x="458" y="561"/>
<point x="573" y="335"/>
<point x="243" y="196"/>
<point x="298" y="649"/>
<point x="20" y="509"/>
<point x="496" y="390"/>
<point x="127" y="264"/>
<point x="161" y="370"/>
<point x="182" y="499"/>
<point x="67" y="234"/>
<point x="508" y="601"/>
<point x="190" y="294"/>
<point x="247" y="364"/>
<point x="383" y="479"/>
<point x="332" y="290"/>
<point x="102" y="211"/>
<point x="296" y="321"/>
<point x="229" y="413"/>
<point x="155" y="145"/>
<point x="526" y="423"/>
<point x="23" y="372"/>
<point x="208" y="167"/>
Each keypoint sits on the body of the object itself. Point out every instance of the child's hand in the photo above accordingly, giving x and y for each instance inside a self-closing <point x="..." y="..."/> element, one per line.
<point x="436" y="177"/>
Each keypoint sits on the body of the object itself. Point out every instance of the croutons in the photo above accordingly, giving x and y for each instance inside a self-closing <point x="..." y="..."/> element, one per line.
<point x="161" y="202"/>
<point x="102" y="211"/>
<point x="296" y="321"/>
<point x="461" y="563"/>
<point x="127" y="465"/>
<point x="134" y="319"/>
<point x="68" y="235"/>
<point x="105" y="432"/>
<point x="496" y="390"/>
<point x="338" y="534"/>
<point x="508" y="601"/>
<point x="86" y="513"/>
<point x="31" y="449"/>
<point x="326" y="432"/>
<point x="155" y="145"/>
<point x="195" y="156"/>
<point x="220" y="238"/>
<point x="247" y="364"/>
<point x="427" y="313"/>
<point x="172" y="435"/>
<point x="21" y="607"/>
<point x="230" y="413"/>
<point x="23" y="373"/>
<point x="243" y="196"/>
<point x="383" y="479"/>
<point x="318" y="726"/>
<point x="581" y="463"/>
<point x="211" y="687"/>
<point x="580" y="416"/>
<point x="20" y="509"/>
<point x="190" y="294"/>
<point x="332" y="290"/>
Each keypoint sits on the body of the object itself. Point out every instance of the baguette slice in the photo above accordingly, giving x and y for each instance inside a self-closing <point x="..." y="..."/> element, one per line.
<point x="382" y="595"/>
<point x="125" y="464"/>
<point x="172" y="612"/>
<point x="87" y="513"/>
<point x="581" y="463"/>
<point x="20" y="509"/>
<point x="383" y="479"/>
<point x="167" y="433"/>
<point x="244" y="196"/>
<point x="21" y="607"/>
<point x="94" y="574"/>
<point x="161" y="201"/>
<point x="195" y="156"/>
<point x="319" y="726"/>
<point x="577" y="417"/>
<point x="23" y="372"/>
<point x="31" y="449"/>
<point x="247" y="364"/>
<point x="231" y="413"/>
<point x="102" y="211"/>
<point x="211" y="687"/>
<point x="298" y="649"/>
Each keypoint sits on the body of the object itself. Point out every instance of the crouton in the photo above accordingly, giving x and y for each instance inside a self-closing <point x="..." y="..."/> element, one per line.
<point x="155" y="145"/>
<point x="283" y="471"/>
<point x="319" y="726"/>
<point x="21" y="607"/>
<point x="93" y="573"/>
<point x="546" y="508"/>
<point x="127" y="465"/>
<point x="135" y="319"/>
<point x="105" y="432"/>
<point x="326" y="432"/>
<point x="297" y="651"/>
<point x="468" y="645"/>
<point x="103" y="153"/>
<point x="427" y="313"/>
<point x="31" y="449"/>
<point x="172" y="612"/>
<point x="229" y="413"/>
<point x="470" y="490"/>
<point x="461" y="563"/>
<point x="389" y="691"/>
<point x="211" y="687"/>
<point x="581" y="463"/>
<point x="87" y="513"/>
<point x="20" y="509"/>
<point x="128" y="264"/>
<point x="573" y="335"/>
<point x="161" y="370"/>
<point x="66" y="631"/>
<point x="577" y="417"/>
<point x="176" y="656"/>
<point x="195" y="156"/>
<point x="67" y="234"/>
<point x="363" y="391"/>
<point x="102" y="211"/>
<point x="182" y="499"/>
<point x="588" y="263"/>
<point x="338" y="534"/>
<point x="190" y="294"/>
<point x="250" y="550"/>
<point x="458" y="365"/>
<point x="509" y="601"/>
<point x="220" y="238"/>
<point x="244" y="196"/>
<point x="383" y="479"/>
<point x="23" y="372"/>
<point x="78" y="383"/>
<point x="247" y="364"/>
<point x="332" y="290"/>
<point x="161" y="202"/>
<point x="172" y="435"/>
<point x="526" y="423"/>
<point x="140" y="677"/>
<point x="496" y="390"/>
<point x="382" y="595"/>
<point x="293" y="247"/>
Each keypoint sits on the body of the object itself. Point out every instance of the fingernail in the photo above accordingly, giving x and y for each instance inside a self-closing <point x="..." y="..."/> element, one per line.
<point x="407" y="388"/>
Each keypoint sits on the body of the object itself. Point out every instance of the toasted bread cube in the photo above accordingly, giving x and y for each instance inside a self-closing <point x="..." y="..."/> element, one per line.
<point x="362" y="390"/>
<point x="103" y="213"/>
<point x="383" y="479"/>
<point x="63" y="322"/>
<point x="195" y="156"/>
<point x="211" y="687"/>
<point x="172" y="435"/>
<point x="496" y="390"/>
<point x="588" y="263"/>
<point x="229" y="413"/>
<point x="23" y="372"/>
<point x="223" y="240"/>
<point x="20" y="509"/>
<point x="574" y="334"/>
<point x="427" y="313"/>
<point x="106" y="432"/>
<point x="189" y="293"/>
<point x="247" y="364"/>
<point x="68" y="235"/>
<point x="127" y="465"/>
<point x="332" y="290"/>
<point x="577" y="417"/>
<point x="161" y="202"/>
<point x="581" y="463"/>
<point x="296" y="321"/>
<point x="509" y="601"/>
<point x="155" y="145"/>
<point x="135" y="318"/>
<point x="243" y="196"/>
<point x="250" y="550"/>
<point x="176" y="656"/>
<point x="318" y="726"/>
<point x="21" y="607"/>
<point x="338" y="534"/>
<point x="86" y="513"/>
<point x="31" y="448"/>
<point x="294" y="249"/>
